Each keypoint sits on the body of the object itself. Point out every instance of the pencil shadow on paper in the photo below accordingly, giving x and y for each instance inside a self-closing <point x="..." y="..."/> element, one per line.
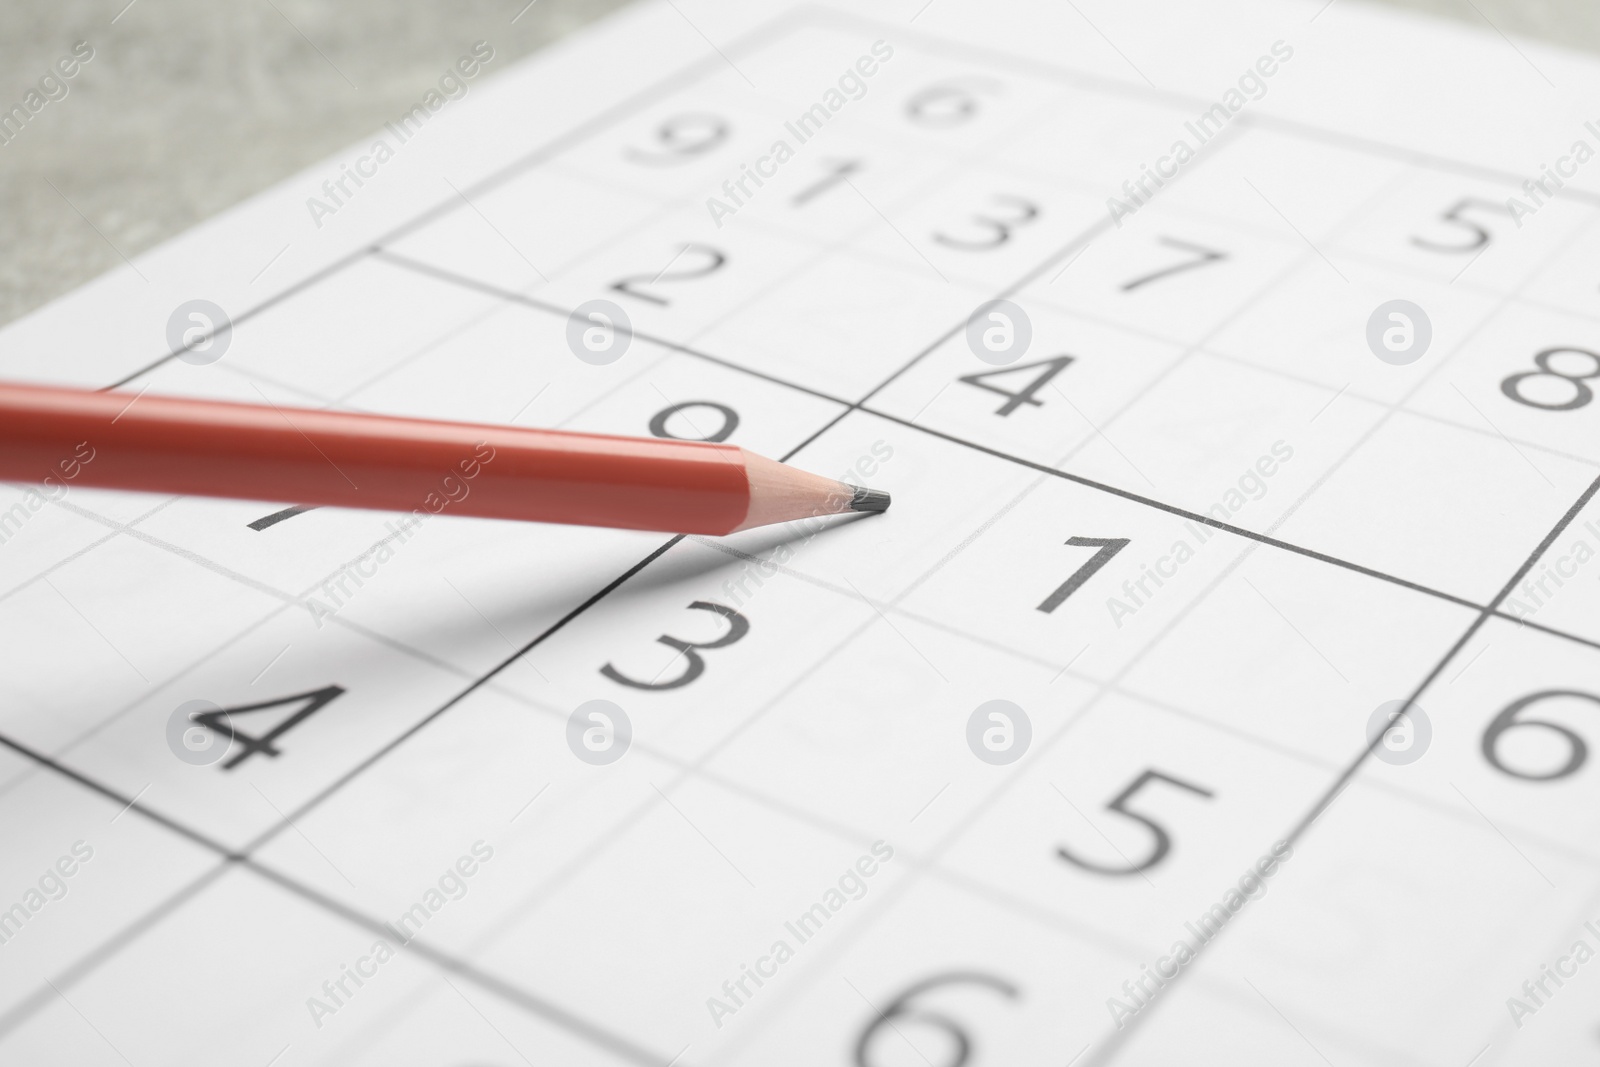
<point x="695" y="557"/>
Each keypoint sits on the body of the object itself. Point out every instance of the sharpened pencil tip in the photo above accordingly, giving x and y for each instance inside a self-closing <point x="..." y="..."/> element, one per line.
<point x="871" y="500"/>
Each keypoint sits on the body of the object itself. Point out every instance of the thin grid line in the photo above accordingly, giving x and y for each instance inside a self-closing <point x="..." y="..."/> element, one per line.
<point x="1022" y="907"/>
<point x="575" y="134"/>
<point x="1345" y="777"/>
<point x="1201" y="348"/>
<point x="856" y="835"/>
<point x="1116" y="1041"/>
<point x="1202" y="718"/>
<point x="1020" y="459"/>
<point x="816" y="14"/>
<point x="261" y="839"/>
<point x="1012" y="61"/>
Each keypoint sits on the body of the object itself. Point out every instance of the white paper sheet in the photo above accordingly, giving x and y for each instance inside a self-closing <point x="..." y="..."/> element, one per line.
<point x="1091" y="703"/>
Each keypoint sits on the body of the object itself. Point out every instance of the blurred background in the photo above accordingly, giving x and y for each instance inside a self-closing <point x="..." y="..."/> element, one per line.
<point x="190" y="106"/>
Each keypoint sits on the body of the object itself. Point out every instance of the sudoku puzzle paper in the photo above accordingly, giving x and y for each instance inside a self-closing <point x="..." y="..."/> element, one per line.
<point x="1220" y="687"/>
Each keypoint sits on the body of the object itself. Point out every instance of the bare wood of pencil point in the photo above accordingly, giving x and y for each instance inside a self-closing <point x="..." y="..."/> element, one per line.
<point x="780" y="493"/>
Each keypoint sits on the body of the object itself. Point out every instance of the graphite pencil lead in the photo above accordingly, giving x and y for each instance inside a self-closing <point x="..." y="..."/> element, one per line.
<point x="869" y="500"/>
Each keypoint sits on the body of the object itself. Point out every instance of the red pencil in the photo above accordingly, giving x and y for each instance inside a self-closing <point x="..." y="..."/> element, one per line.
<point x="296" y="455"/>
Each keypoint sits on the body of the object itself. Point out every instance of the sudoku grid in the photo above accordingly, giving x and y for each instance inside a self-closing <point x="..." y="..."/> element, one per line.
<point x="1394" y="553"/>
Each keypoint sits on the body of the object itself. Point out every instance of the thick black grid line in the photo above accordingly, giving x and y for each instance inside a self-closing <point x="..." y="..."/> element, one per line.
<point x="1045" y="468"/>
<point x="1485" y="612"/>
<point x="11" y="1019"/>
<point x="547" y="1010"/>
<point x="244" y="855"/>
<point x="1119" y="1038"/>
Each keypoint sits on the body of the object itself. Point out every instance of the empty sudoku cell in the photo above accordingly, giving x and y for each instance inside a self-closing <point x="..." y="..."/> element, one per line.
<point x="221" y="380"/>
<point x="1529" y="374"/>
<point x="734" y="889"/>
<point x="1559" y="590"/>
<point x="332" y="337"/>
<point x="513" y="365"/>
<point x="1237" y="1025"/>
<point x="942" y="493"/>
<point x="680" y="275"/>
<point x="687" y="398"/>
<point x="1280" y="185"/>
<point x="1134" y="820"/>
<point x="983" y="227"/>
<point x="843" y="324"/>
<point x="252" y="954"/>
<point x="1502" y="736"/>
<point x="451" y="1021"/>
<point x="36" y="536"/>
<point x="1095" y="140"/>
<point x="1177" y="277"/>
<point x="1225" y="440"/>
<point x="1074" y="575"/>
<point x="1417" y="923"/>
<point x="102" y="630"/>
<point x="1045" y="403"/>
<point x="691" y="646"/>
<point x="1298" y="653"/>
<point x="1445" y="226"/>
<point x="1315" y="327"/>
<point x="1565" y="990"/>
<point x="1002" y="982"/>
<point x="507" y="236"/>
<point x="259" y="725"/>
<point x="526" y="811"/>
<point x="879" y="738"/>
<point x="76" y="867"/>
<point x="1450" y="509"/>
<point x="1567" y="281"/>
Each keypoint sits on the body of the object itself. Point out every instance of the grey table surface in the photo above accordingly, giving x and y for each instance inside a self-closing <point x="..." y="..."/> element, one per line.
<point x="190" y="106"/>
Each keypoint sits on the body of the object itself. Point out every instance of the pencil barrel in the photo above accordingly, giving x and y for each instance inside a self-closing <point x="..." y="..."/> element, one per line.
<point x="294" y="455"/>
